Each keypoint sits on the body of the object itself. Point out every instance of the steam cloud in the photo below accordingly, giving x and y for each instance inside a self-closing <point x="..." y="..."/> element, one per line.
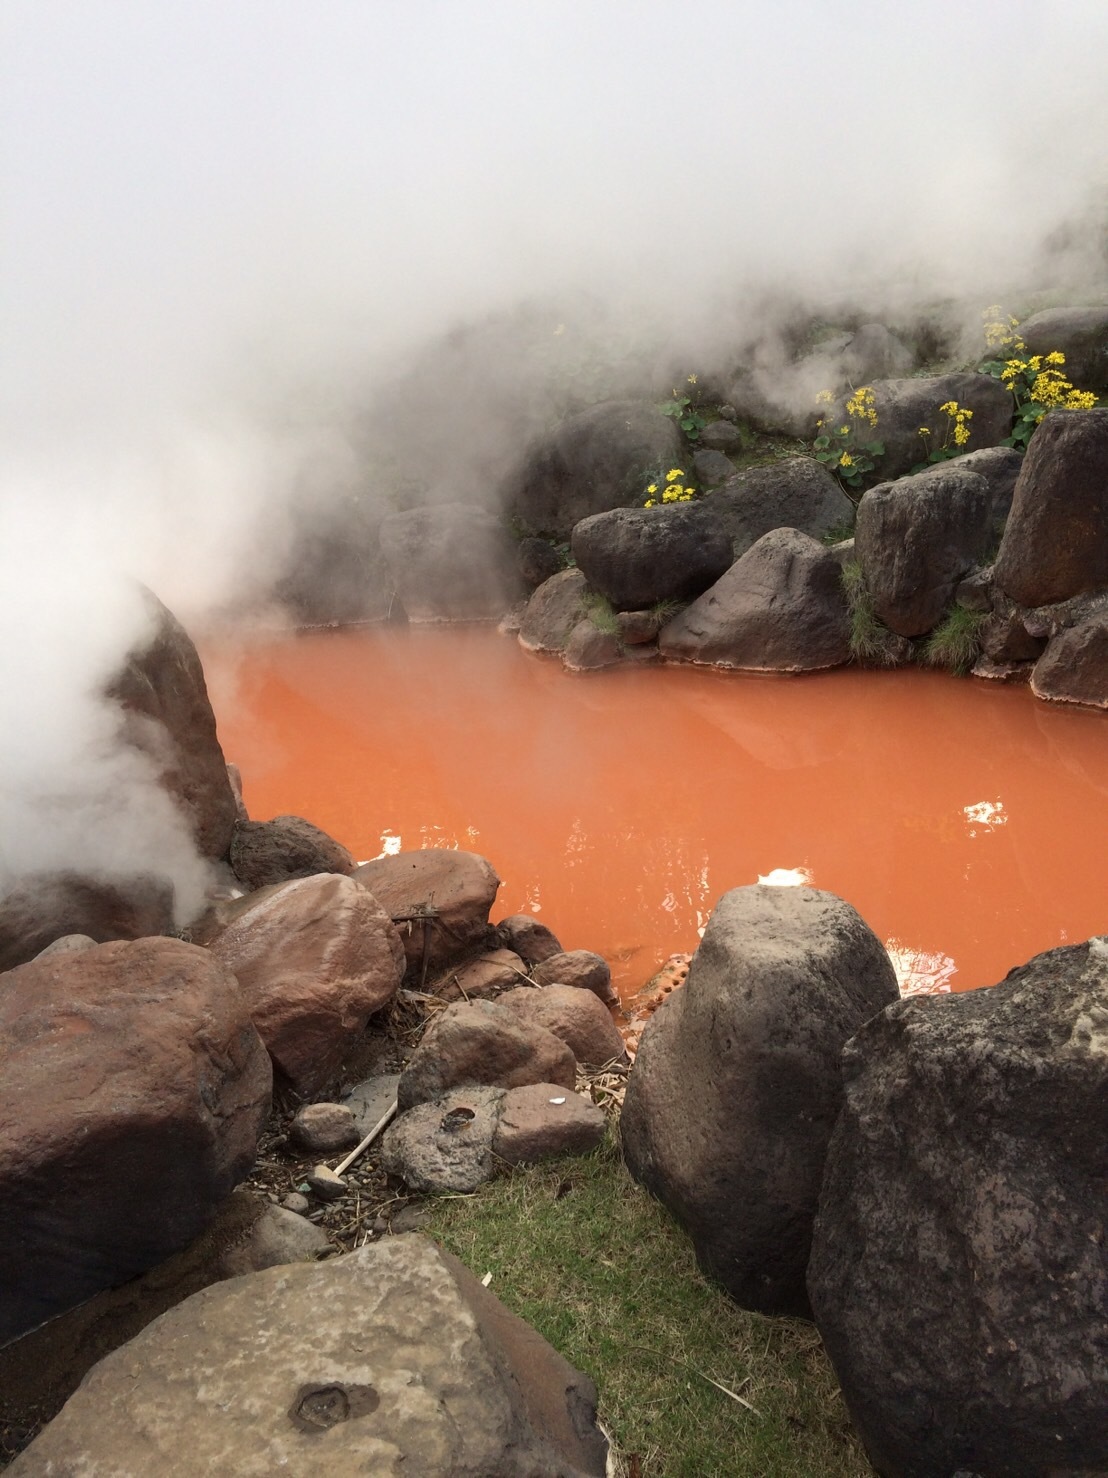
<point x="243" y="244"/>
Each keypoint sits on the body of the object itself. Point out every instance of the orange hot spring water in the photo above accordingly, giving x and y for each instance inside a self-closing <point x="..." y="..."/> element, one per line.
<point x="965" y="821"/>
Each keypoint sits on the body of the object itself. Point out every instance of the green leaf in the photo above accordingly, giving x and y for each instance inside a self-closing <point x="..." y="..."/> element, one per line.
<point x="875" y="448"/>
<point x="821" y="443"/>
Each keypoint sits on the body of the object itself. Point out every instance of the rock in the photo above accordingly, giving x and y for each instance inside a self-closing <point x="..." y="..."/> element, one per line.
<point x="711" y="468"/>
<point x="46" y="907"/>
<point x="575" y="1016"/>
<point x="588" y="648"/>
<point x="264" y="852"/>
<point x="1081" y="334"/>
<point x="335" y="574"/>
<point x="975" y="592"/>
<point x="532" y="941"/>
<point x="369" y="1101"/>
<point x="720" y="436"/>
<point x="1074" y="667"/>
<point x="596" y="459"/>
<point x="1000" y="467"/>
<point x="797" y="493"/>
<point x="482" y="978"/>
<point x="636" y="557"/>
<point x="234" y="778"/>
<point x="444" y="1146"/>
<point x="392" y="1358"/>
<point x="296" y="1203"/>
<point x="553" y="611"/>
<point x="482" y="1042"/>
<point x="1055" y="543"/>
<point x="580" y="968"/>
<point x="323" y="1128"/>
<point x="1004" y="636"/>
<point x="539" y="561"/>
<point x="167" y="715"/>
<point x="636" y="628"/>
<point x="916" y="539"/>
<point x="903" y="406"/>
<point x="454" y="889"/>
<point x="67" y="944"/>
<point x="133" y="1088"/>
<point x="451" y="562"/>
<point x="959" y="1262"/>
<point x="314" y="958"/>
<point x="543" y="1120"/>
<point x="280" y="1235"/>
<point x="325" y="1183"/>
<point x="780" y="608"/>
<point x="732" y="1098"/>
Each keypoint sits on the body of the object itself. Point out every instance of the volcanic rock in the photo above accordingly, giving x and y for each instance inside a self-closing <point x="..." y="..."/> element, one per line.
<point x="780" y="608"/>
<point x="959" y="1263"/>
<point x="543" y="1120"/>
<point x="452" y="890"/>
<point x="482" y="978"/>
<point x="1081" y="334"/>
<point x="532" y="941"/>
<point x="1074" y="667"/>
<point x="539" y="560"/>
<point x="444" y="1146"/>
<point x="323" y="1128"/>
<point x="577" y="1017"/>
<point x="732" y="1098"/>
<point x="451" y="562"/>
<point x="711" y="468"/>
<point x="314" y="959"/>
<point x="797" y="493"/>
<point x="1000" y="467"/>
<point x="390" y="1358"/>
<point x="579" y="968"/>
<point x="264" y="852"/>
<point x="553" y="611"/>
<point x="636" y="557"/>
<point x="47" y="907"/>
<point x="903" y="406"/>
<point x="588" y="648"/>
<point x="133" y="1088"/>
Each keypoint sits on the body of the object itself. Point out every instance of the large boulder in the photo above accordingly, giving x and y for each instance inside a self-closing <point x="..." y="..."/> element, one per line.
<point x="265" y="852"/>
<point x="439" y="899"/>
<point x="916" y="538"/>
<point x="596" y="459"/>
<point x="636" y="557"/>
<point x="959" y="1271"/>
<point x="780" y="608"/>
<point x="734" y="1092"/>
<point x="314" y="958"/>
<point x="555" y="609"/>
<point x="451" y="562"/>
<point x="133" y="1088"/>
<point x="903" y="406"/>
<point x="1074" y="667"/>
<point x="577" y="1017"/>
<point x="1055" y="543"/>
<point x="797" y="493"/>
<point x="1000" y="467"/>
<point x="44" y="907"/>
<point x="167" y="715"/>
<point x="334" y="573"/>
<point x="391" y="1359"/>
<point x="1081" y="334"/>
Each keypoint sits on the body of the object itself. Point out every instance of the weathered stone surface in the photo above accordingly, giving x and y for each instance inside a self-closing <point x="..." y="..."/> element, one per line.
<point x="314" y="959"/>
<point x="711" y="468"/>
<point x="532" y="941"/>
<point x="264" y="852"/>
<point x="445" y="1144"/>
<point x="636" y="628"/>
<point x="553" y="611"/>
<point x="1081" y="334"/>
<point x="1004" y="636"/>
<point x="168" y="717"/>
<point x="278" y="1236"/>
<point x="959" y="1264"/>
<point x="1000" y="467"/>
<point x="322" y="1128"/>
<point x="538" y="561"/>
<point x="579" y="968"/>
<point x="577" y="1017"/>
<point x="1055" y="543"/>
<point x="455" y="890"/>
<point x="1074" y="667"/>
<point x="588" y="648"/>
<point x="133" y="1088"/>
<point x="543" y="1120"/>
<point x="451" y="562"/>
<point x="916" y="539"/>
<point x="903" y="406"/>
<point x="636" y="557"/>
<point x="797" y="493"/>
<point x="482" y="1042"/>
<point x="369" y="1099"/>
<point x="46" y="907"/>
<point x="594" y="460"/>
<point x="735" y="1089"/>
<point x="482" y="978"/>
<point x="780" y="608"/>
<point x="720" y="436"/>
<point x="390" y="1359"/>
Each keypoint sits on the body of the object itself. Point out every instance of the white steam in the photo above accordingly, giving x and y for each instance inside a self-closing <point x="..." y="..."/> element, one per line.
<point x="242" y="244"/>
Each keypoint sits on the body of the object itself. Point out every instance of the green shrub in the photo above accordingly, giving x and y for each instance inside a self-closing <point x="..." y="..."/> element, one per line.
<point x="955" y="643"/>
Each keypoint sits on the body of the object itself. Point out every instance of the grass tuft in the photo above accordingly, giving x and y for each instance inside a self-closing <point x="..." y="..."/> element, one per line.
<point x="956" y="642"/>
<point x="600" y="612"/>
<point x="870" y="639"/>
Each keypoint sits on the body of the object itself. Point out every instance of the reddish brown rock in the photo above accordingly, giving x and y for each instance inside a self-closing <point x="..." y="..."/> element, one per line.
<point x="133" y="1087"/>
<point x="315" y="958"/>
<point x="580" y="968"/>
<point x="322" y="1128"/>
<point x="482" y="1042"/>
<point x="531" y="940"/>
<point x="543" y="1120"/>
<point x="456" y="889"/>
<point x="1074" y="667"/>
<point x="483" y="978"/>
<point x="576" y="1016"/>
<point x="265" y="852"/>
<point x="48" y="906"/>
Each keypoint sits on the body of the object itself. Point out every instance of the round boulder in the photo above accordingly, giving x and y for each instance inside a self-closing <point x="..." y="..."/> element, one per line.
<point x="439" y="899"/>
<point x="264" y="852"/>
<point x="636" y="557"/>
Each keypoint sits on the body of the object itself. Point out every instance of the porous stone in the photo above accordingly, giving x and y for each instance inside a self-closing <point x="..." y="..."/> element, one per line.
<point x="636" y="557"/>
<point x="392" y="1358"/>
<point x="959" y="1263"/>
<point x="796" y="493"/>
<point x="453" y="890"/>
<point x="482" y="1042"/>
<point x="1074" y="666"/>
<point x="553" y="611"/>
<point x="451" y="562"/>
<point x="264" y="852"/>
<point x="580" y="968"/>
<point x="543" y="1120"/>
<point x="445" y="1144"/>
<point x="577" y="1017"/>
<point x="531" y="940"/>
<point x="735" y="1089"/>
<point x="322" y="1128"/>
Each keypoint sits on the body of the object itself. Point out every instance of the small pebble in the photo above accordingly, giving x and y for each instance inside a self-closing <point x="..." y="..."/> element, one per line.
<point x="294" y="1201"/>
<point x="326" y="1184"/>
<point x="322" y="1128"/>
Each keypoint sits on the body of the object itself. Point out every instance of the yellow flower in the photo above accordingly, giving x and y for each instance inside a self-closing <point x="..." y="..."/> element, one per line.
<point x="950" y="408"/>
<point x="1056" y="358"/>
<point x="1080" y="400"/>
<point x="649" y="503"/>
<point x="653" y="488"/>
<point x="961" y="434"/>
<point x="925" y="430"/>
<point x="674" y="473"/>
<point x="692" y="379"/>
<point x="824" y="397"/>
<point x="819" y="423"/>
<point x="846" y="460"/>
<point x="844" y="430"/>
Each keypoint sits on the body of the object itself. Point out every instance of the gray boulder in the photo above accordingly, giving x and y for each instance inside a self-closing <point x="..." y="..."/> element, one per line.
<point x="780" y="608"/>
<point x="451" y="562"/>
<point x="556" y="607"/>
<point x="390" y="1359"/>
<point x="588" y="648"/>
<point x="797" y="493"/>
<point x="732" y="1098"/>
<point x="1081" y="334"/>
<point x="594" y="460"/>
<point x="916" y="538"/>
<point x="903" y="406"/>
<point x="636" y="557"/>
<point x="1074" y="666"/>
<point x="1000" y="467"/>
<point x="711" y="468"/>
<point x="721" y="436"/>
<point x="264" y="852"/>
<point x="444" y="1145"/>
<point x="1055" y="543"/>
<point x="959" y="1271"/>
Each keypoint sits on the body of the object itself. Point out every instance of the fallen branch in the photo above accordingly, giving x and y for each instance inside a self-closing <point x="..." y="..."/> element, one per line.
<point x="360" y="1149"/>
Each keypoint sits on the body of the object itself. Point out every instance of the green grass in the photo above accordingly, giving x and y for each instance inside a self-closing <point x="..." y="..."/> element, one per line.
<point x="600" y="612"/>
<point x="869" y="638"/>
<point x="595" y="1264"/>
<point x="955" y="643"/>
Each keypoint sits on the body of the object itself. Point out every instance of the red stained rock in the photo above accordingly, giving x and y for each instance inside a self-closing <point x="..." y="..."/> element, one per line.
<point x="575" y="1016"/>
<point x="531" y="940"/>
<point x="457" y="888"/>
<point x="543" y="1120"/>
<point x="580" y="968"/>
<point x="482" y="979"/>
<point x="481" y="1042"/>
